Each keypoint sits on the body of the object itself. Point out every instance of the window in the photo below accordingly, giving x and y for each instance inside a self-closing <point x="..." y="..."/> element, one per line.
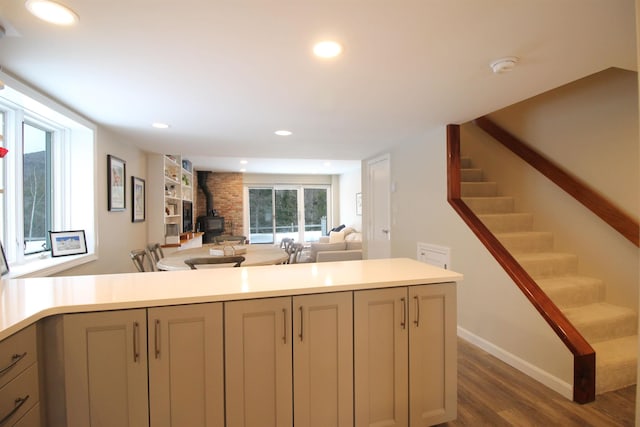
<point x="36" y="188"/>
<point x="47" y="178"/>
<point x="298" y="212"/>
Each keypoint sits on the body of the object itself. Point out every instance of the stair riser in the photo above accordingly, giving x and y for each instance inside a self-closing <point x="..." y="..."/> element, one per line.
<point x="507" y="223"/>
<point x="538" y="269"/>
<point x="471" y="175"/>
<point x="536" y="242"/>
<point x="615" y="377"/>
<point x="490" y="205"/>
<point x="465" y="163"/>
<point x="478" y="189"/>
<point x="573" y="296"/>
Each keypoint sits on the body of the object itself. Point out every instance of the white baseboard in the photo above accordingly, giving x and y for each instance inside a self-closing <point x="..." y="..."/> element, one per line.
<point x="523" y="366"/>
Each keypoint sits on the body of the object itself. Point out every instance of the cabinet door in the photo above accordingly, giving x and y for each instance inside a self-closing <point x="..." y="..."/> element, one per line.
<point x="433" y="354"/>
<point x="381" y="357"/>
<point x="186" y="373"/>
<point x="105" y="359"/>
<point x="323" y="360"/>
<point x="258" y="363"/>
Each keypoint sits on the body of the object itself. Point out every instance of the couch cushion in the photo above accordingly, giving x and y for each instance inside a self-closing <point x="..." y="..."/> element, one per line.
<point x="354" y="245"/>
<point x="319" y="247"/>
<point x="353" y="237"/>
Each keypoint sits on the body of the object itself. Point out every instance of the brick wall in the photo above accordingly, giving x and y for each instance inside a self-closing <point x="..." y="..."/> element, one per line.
<point x="227" y="199"/>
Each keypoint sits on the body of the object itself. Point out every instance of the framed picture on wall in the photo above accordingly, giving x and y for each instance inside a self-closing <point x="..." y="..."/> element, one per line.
<point x="116" y="175"/>
<point x="68" y="243"/>
<point x="137" y="199"/>
<point x="358" y="203"/>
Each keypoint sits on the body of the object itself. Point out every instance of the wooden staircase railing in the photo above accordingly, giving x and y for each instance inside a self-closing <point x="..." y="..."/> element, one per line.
<point x="584" y="357"/>
<point x="599" y="205"/>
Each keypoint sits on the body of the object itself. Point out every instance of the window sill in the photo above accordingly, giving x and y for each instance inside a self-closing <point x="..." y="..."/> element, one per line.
<point x="43" y="267"/>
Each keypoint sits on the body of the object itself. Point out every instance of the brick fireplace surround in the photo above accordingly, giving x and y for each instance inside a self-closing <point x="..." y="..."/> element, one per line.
<point x="227" y="200"/>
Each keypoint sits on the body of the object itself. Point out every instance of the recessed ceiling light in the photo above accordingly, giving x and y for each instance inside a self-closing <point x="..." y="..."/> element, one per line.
<point x="52" y="12"/>
<point x="243" y="170"/>
<point x="327" y="49"/>
<point x="327" y="164"/>
<point x="160" y="125"/>
<point x="283" y="132"/>
<point x="243" y="162"/>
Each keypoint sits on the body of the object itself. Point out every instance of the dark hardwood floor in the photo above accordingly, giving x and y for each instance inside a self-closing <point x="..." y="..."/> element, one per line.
<point x="492" y="393"/>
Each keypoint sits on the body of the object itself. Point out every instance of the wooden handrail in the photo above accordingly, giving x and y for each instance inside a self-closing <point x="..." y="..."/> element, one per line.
<point x="584" y="358"/>
<point x="592" y="200"/>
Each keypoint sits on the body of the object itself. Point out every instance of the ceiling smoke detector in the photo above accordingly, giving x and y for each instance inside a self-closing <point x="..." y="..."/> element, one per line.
<point x="504" y="65"/>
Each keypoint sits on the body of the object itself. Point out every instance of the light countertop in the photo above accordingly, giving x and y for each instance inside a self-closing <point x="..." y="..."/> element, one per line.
<point x="25" y="301"/>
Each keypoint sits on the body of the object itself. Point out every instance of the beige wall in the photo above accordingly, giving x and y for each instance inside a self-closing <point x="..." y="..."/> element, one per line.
<point x="350" y="185"/>
<point x="117" y="235"/>
<point x="488" y="301"/>
<point x="591" y="128"/>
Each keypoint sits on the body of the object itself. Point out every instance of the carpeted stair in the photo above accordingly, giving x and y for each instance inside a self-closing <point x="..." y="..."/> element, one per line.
<point x="611" y="330"/>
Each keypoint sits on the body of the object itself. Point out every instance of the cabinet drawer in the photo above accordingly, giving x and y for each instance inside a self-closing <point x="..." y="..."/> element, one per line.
<point x="18" y="396"/>
<point x="17" y="353"/>
<point x="31" y="418"/>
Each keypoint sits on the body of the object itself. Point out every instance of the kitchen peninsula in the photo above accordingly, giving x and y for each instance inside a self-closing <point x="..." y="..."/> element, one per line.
<point x="342" y="344"/>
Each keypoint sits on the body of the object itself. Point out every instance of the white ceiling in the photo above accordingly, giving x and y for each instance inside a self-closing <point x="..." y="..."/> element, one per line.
<point x="225" y="74"/>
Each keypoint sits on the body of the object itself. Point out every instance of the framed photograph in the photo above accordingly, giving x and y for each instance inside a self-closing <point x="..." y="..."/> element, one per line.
<point x="137" y="199"/>
<point x="4" y="265"/>
<point x="358" y="203"/>
<point x="67" y="243"/>
<point x="116" y="175"/>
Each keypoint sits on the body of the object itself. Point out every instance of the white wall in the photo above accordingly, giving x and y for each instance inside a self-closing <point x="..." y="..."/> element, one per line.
<point x="589" y="127"/>
<point x="488" y="301"/>
<point x="350" y="185"/>
<point x="116" y="234"/>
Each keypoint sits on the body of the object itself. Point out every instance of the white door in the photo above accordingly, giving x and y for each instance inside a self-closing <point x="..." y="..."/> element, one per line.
<point x="378" y="208"/>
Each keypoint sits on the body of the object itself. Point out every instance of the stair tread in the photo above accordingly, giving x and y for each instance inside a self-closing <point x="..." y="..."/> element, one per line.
<point x="523" y="234"/>
<point x="570" y="280"/>
<point x="539" y="256"/>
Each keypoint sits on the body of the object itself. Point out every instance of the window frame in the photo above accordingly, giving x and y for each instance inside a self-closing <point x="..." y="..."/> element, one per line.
<point x="73" y="144"/>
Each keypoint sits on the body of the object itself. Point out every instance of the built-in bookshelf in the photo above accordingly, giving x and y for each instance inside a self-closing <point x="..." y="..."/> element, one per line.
<point x="170" y="184"/>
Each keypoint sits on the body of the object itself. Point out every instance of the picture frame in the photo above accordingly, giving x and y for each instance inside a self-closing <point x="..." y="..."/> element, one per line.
<point x="64" y="243"/>
<point x="358" y="203"/>
<point x="4" y="265"/>
<point x="116" y="182"/>
<point x="138" y="199"/>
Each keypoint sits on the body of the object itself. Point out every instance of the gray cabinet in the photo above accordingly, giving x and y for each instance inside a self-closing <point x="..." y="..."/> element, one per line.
<point x="19" y="392"/>
<point x="261" y="336"/>
<point x="103" y="376"/>
<point x="258" y="345"/>
<point x="186" y="377"/>
<point x="405" y="356"/>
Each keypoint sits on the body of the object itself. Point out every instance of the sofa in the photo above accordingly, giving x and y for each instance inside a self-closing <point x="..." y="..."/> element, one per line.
<point x="341" y="245"/>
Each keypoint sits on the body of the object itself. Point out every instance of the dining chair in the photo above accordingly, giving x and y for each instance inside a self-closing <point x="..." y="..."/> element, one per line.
<point x="155" y="250"/>
<point x="294" y="250"/>
<point x="214" y="260"/>
<point x="235" y="239"/>
<point x="285" y="243"/>
<point x="138" y="256"/>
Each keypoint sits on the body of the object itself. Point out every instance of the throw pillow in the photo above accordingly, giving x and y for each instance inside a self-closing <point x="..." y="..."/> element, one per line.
<point x="336" y="236"/>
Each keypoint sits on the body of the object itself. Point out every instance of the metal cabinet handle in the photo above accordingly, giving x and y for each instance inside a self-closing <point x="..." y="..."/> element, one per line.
<point x="403" y="323"/>
<point x="136" y="339"/>
<point x="301" y="326"/>
<point x="18" y="404"/>
<point x="284" y="325"/>
<point x="14" y="361"/>
<point x="417" y="321"/>
<point x="156" y="334"/>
